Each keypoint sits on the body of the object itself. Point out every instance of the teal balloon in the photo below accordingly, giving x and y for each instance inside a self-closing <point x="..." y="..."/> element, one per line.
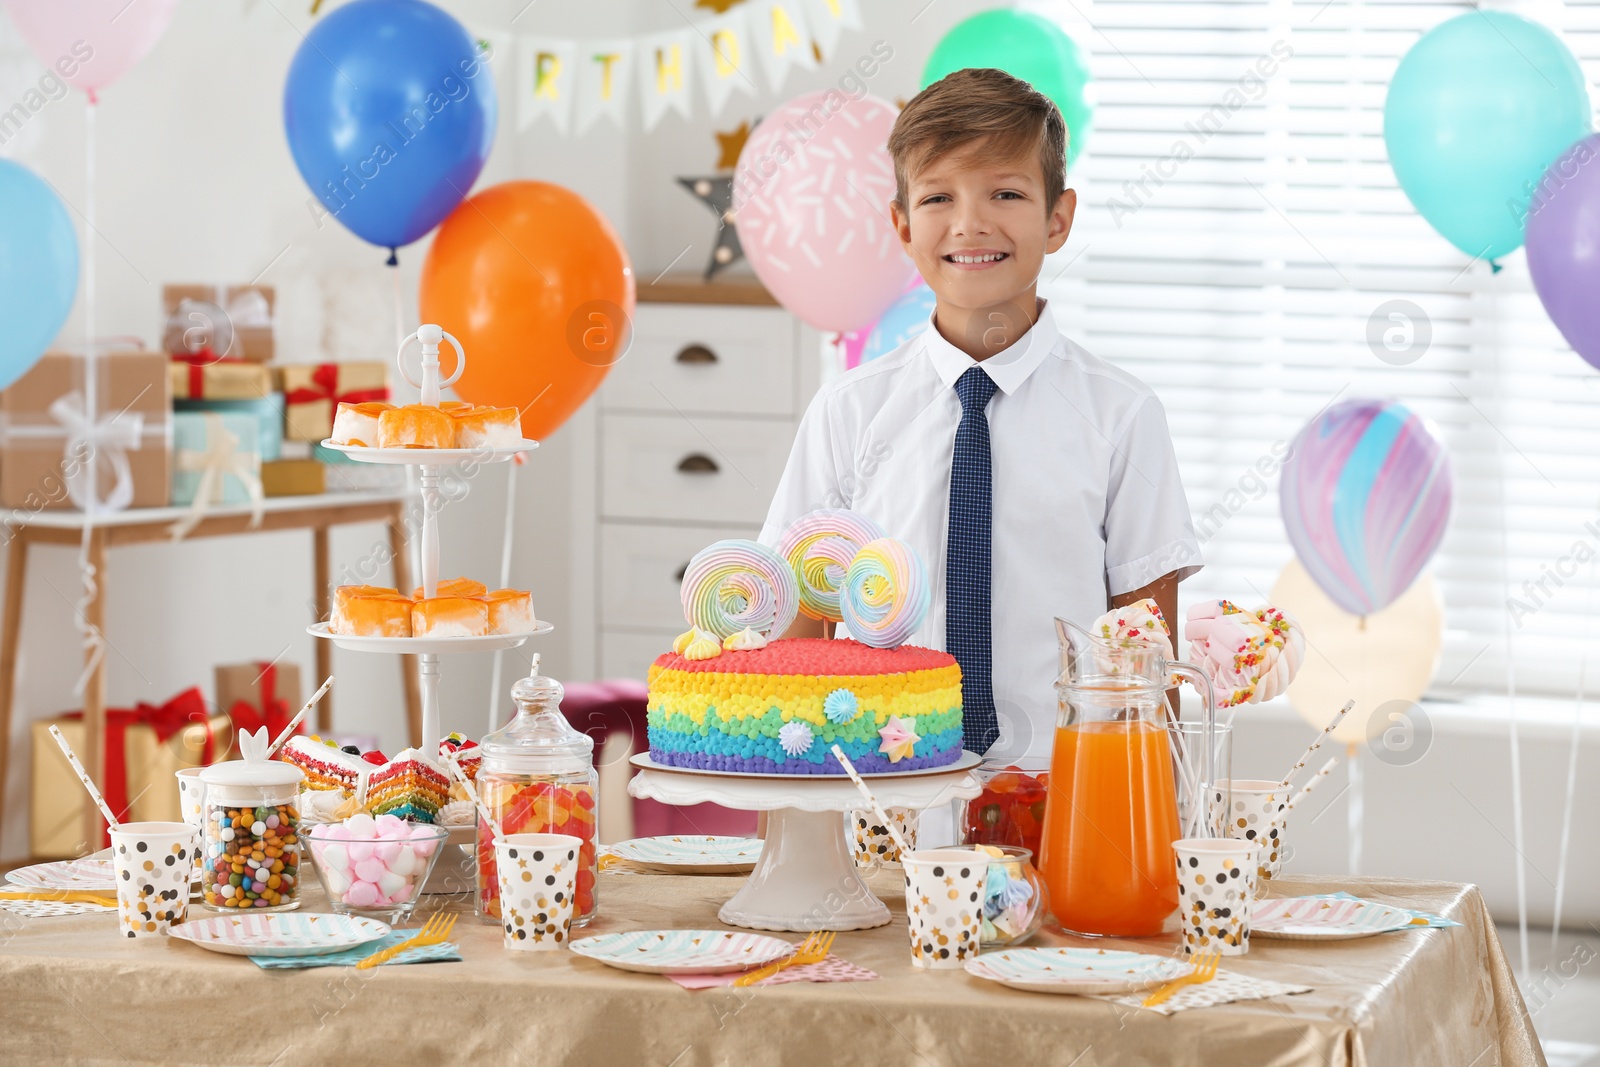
<point x="1025" y="46"/>
<point x="1476" y="111"/>
<point x="38" y="269"/>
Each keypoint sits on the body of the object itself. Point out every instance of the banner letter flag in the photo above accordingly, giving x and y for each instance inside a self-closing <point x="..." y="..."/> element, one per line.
<point x="546" y="73"/>
<point x="605" y="72"/>
<point x="729" y="65"/>
<point x="782" y="38"/>
<point x="666" y="64"/>
<point x="828" y="18"/>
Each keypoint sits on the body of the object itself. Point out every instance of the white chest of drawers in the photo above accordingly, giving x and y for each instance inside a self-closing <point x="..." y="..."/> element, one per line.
<point x="684" y="447"/>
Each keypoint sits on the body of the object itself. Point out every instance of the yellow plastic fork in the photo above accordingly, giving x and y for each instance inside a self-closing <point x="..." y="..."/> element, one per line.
<point x="814" y="949"/>
<point x="1205" y="969"/>
<point x="434" y="932"/>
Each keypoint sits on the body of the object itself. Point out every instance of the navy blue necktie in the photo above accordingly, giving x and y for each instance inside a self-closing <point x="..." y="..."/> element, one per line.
<point x="966" y="583"/>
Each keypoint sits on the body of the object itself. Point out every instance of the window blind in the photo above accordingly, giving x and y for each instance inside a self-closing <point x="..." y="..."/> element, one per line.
<point x="1239" y="233"/>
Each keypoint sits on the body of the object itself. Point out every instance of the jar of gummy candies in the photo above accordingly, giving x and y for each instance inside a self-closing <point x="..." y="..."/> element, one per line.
<point x="251" y="846"/>
<point x="538" y="776"/>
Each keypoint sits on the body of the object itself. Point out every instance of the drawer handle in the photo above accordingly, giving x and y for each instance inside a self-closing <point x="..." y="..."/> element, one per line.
<point x="681" y="571"/>
<point x="696" y="354"/>
<point x="697" y="463"/>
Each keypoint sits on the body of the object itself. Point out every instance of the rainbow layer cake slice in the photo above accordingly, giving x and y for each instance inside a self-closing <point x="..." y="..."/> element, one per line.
<point x="326" y="766"/>
<point x="409" y="786"/>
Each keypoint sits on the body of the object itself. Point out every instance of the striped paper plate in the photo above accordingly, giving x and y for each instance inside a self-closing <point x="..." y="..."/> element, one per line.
<point x="1079" y="971"/>
<point x="1324" y="919"/>
<point x="689" y="854"/>
<point x="91" y="872"/>
<point x="683" y="951"/>
<point x="284" y="934"/>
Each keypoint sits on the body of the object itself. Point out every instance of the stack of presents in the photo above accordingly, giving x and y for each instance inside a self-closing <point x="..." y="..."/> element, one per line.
<point x="210" y="419"/>
<point x="147" y="744"/>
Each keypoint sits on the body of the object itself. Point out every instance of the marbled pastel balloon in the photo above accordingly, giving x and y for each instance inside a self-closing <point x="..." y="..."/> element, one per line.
<point x="1365" y="495"/>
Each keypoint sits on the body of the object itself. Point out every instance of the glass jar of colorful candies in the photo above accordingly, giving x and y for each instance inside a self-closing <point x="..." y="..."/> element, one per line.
<point x="251" y="849"/>
<point x="538" y="776"/>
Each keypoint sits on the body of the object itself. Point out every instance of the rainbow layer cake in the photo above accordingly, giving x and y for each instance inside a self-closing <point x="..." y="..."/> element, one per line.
<point x="409" y="786"/>
<point x="779" y="708"/>
<point x="326" y="766"/>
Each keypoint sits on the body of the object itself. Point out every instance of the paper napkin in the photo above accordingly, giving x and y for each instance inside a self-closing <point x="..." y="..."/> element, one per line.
<point x="832" y="969"/>
<point x="442" y="953"/>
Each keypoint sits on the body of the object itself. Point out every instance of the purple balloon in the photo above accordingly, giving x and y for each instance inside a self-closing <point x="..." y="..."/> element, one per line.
<point x="1365" y="495"/>
<point x="1564" y="245"/>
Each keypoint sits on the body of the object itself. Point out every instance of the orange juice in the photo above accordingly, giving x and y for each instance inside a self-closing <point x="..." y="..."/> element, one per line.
<point x="1109" y="824"/>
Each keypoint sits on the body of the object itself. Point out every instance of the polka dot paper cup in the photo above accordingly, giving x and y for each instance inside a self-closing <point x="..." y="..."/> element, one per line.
<point x="1216" y="888"/>
<point x="1257" y="813"/>
<point x="944" y="905"/>
<point x="538" y="873"/>
<point x="874" y="847"/>
<point x="152" y="862"/>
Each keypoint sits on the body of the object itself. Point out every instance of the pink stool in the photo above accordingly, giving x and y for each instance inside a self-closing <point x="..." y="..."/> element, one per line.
<point x="619" y="704"/>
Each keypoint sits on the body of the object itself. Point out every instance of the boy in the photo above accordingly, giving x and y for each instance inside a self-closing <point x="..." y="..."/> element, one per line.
<point x="1034" y="479"/>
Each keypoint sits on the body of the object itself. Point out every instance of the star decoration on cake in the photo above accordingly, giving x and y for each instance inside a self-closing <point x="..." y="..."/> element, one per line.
<point x="840" y="707"/>
<point x="717" y="194"/>
<point x="899" y="738"/>
<point x="795" y="737"/>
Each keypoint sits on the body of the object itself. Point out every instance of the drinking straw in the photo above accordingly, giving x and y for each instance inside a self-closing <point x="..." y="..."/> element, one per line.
<point x="83" y="776"/>
<point x="877" y="809"/>
<point x="1323" y="736"/>
<point x="294" y="723"/>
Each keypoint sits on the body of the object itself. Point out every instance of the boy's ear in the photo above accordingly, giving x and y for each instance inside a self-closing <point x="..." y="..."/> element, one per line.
<point x="1061" y="220"/>
<point x="902" y="224"/>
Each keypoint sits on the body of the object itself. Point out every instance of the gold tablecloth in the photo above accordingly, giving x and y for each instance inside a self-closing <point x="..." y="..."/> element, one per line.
<point x="71" y="991"/>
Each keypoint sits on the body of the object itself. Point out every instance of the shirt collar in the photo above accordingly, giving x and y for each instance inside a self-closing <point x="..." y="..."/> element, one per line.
<point x="1008" y="369"/>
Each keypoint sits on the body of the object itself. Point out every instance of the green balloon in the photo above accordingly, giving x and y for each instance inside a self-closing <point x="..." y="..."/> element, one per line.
<point x="1476" y="111"/>
<point x="1025" y="46"/>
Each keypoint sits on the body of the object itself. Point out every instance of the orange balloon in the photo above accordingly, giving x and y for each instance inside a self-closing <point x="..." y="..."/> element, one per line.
<point x="536" y="285"/>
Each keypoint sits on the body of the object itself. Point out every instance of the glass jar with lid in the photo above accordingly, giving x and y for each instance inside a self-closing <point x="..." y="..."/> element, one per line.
<point x="251" y="831"/>
<point x="538" y="776"/>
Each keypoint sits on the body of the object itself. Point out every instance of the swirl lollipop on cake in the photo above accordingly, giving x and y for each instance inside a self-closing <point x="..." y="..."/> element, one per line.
<point x="819" y="547"/>
<point x="735" y="585"/>
<point x="1250" y="656"/>
<point x="886" y="594"/>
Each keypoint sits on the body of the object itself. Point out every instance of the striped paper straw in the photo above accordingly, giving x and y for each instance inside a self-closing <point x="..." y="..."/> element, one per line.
<point x="83" y="776"/>
<point x="877" y="809"/>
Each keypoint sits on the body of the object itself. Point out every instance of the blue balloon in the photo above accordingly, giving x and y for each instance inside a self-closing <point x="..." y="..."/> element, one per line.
<point x="38" y="268"/>
<point x="390" y="113"/>
<point x="906" y="317"/>
<point x="1476" y="111"/>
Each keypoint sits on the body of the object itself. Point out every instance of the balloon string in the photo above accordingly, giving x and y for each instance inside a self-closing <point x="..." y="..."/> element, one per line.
<point x="93" y="640"/>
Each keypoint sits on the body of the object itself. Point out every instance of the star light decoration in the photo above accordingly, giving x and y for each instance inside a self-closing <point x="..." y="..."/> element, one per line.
<point x="716" y="192"/>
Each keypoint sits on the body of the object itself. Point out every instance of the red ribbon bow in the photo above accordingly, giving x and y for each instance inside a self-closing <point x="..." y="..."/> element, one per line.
<point x="325" y="386"/>
<point x="187" y="708"/>
<point x="273" y="712"/>
<point x="198" y="362"/>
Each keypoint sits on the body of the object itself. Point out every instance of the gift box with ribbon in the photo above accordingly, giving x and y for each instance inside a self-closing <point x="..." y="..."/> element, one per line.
<point x="293" y="477"/>
<point x="144" y="746"/>
<point x="266" y="410"/>
<point x="216" y="459"/>
<point x="47" y="439"/>
<point x="227" y="321"/>
<point x="313" y="391"/>
<point x="254" y="695"/>
<point x="209" y="378"/>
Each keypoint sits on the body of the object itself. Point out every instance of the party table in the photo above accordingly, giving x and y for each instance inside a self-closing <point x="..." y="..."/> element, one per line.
<point x="73" y="991"/>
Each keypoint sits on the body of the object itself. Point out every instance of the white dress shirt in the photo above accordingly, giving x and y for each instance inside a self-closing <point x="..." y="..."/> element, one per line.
<point x="1086" y="496"/>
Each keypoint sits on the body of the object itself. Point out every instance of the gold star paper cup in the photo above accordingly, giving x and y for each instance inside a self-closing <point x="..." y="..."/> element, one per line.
<point x="874" y="848"/>
<point x="152" y="862"/>
<point x="944" y="905"/>
<point x="537" y="874"/>
<point x="1216" y="889"/>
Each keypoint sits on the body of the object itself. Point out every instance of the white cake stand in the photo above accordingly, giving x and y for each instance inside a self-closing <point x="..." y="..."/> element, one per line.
<point x="806" y="878"/>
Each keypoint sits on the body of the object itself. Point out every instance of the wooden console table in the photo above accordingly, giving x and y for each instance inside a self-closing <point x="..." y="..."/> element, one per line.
<point x="146" y="525"/>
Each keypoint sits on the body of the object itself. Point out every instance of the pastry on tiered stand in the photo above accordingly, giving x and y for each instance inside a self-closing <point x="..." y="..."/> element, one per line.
<point x="461" y="608"/>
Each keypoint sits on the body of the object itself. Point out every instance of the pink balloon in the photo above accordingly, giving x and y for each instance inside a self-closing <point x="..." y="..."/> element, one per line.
<point x="91" y="43"/>
<point x="811" y="197"/>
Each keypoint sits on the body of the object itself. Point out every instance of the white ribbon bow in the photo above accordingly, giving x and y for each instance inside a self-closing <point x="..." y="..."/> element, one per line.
<point x="110" y="437"/>
<point x="220" y="459"/>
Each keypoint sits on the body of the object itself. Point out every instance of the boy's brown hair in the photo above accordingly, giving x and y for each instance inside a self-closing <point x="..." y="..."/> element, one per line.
<point x="980" y="105"/>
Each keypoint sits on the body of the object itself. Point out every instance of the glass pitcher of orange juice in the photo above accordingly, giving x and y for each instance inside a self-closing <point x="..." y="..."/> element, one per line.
<point x="1112" y="812"/>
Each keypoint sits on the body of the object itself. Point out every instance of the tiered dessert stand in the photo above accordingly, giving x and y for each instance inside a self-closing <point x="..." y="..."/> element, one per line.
<point x="806" y="878"/>
<point x="432" y="462"/>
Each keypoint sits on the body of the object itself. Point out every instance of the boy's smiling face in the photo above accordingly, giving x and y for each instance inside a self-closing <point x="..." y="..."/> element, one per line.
<point x="978" y="228"/>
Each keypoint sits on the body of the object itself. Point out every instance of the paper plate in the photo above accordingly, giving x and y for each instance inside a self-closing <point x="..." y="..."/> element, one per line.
<point x="1324" y="919"/>
<point x="284" y="934"/>
<point x="442" y="457"/>
<point x="689" y="854"/>
<point x="683" y="951"/>
<point x="1079" y="971"/>
<point x="89" y="873"/>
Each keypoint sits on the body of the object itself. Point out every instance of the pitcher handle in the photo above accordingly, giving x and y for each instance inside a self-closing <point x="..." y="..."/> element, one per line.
<point x="1208" y="757"/>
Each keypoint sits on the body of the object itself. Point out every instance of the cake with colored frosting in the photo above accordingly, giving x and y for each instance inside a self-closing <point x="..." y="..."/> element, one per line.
<point x="780" y="709"/>
<point x="729" y="697"/>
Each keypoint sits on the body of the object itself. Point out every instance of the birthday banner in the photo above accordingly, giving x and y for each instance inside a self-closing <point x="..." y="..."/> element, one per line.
<point x="575" y="83"/>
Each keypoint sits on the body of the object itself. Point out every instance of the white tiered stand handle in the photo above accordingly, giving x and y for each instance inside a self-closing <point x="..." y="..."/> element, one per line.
<point x="806" y="878"/>
<point x="431" y="463"/>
